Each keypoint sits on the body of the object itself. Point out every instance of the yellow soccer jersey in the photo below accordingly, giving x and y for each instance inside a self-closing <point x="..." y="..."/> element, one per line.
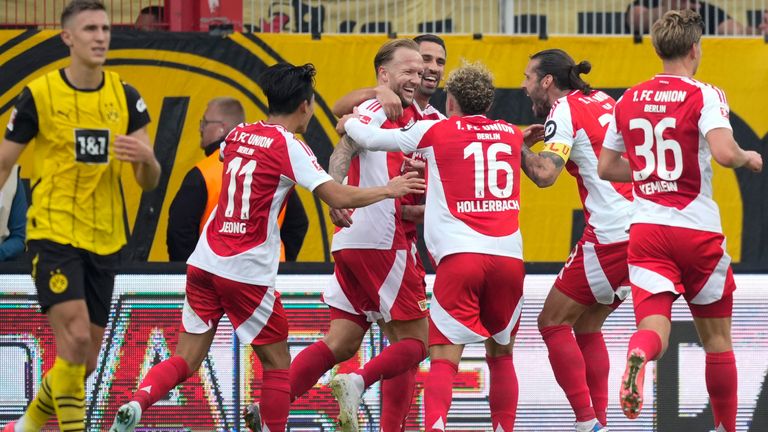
<point x="76" y="194"/>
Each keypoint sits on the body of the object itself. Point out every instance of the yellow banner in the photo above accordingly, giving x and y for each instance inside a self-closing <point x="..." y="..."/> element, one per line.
<point x="199" y="67"/>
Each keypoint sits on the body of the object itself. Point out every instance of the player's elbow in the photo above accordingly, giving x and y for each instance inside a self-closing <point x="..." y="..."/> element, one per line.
<point x="728" y="157"/>
<point x="546" y="179"/>
<point x="333" y="194"/>
<point x="603" y="169"/>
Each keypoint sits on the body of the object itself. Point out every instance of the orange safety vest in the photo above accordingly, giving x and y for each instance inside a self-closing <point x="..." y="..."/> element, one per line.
<point x="211" y="167"/>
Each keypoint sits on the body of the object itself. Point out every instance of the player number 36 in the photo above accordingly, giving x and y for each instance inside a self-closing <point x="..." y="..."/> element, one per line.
<point x="656" y="149"/>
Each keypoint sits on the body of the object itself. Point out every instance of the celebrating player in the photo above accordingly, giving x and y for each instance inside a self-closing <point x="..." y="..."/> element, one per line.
<point x="670" y="127"/>
<point x="234" y="266"/>
<point x="376" y="278"/>
<point x="594" y="280"/>
<point x="471" y="224"/>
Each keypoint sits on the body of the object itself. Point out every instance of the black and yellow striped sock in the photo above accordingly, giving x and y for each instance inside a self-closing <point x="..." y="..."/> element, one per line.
<point x="68" y="390"/>
<point x="40" y="409"/>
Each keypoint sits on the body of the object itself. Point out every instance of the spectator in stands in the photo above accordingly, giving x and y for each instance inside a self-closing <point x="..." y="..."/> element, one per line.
<point x="151" y="18"/>
<point x="642" y="13"/>
<point x="13" y="217"/>
<point x="199" y="192"/>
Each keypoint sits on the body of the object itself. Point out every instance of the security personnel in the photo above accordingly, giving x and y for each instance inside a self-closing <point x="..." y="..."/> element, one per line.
<point x="199" y="191"/>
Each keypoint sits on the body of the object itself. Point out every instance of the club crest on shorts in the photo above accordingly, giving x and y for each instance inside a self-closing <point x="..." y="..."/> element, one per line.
<point x="423" y="305"/>
<point x="58" y="282"/>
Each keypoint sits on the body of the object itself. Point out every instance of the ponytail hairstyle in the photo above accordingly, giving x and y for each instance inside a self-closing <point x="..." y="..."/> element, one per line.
<point x="565" y="72"/>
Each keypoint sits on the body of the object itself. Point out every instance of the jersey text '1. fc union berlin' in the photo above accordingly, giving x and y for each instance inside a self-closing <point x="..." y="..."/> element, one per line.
<point x="661" y="124"/>
<point x="578" y="122"/>
<point x="262" y="163"/>
<point x="473" y="163"/>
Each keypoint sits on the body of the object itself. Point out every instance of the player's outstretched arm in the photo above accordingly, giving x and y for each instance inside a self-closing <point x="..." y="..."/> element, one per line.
<point x="136" y="149"/>
<point x="612" y="167"/>
<point x="391" y="140"/>
<point x="726" y="151"/>
<point x="342" y="196"/>
<point x="393" y="106"/>
<point x="9" y="154"/>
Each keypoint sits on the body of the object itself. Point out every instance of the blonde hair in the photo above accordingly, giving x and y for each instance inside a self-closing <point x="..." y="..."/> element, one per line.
<point x="387" y="51"/>
<point x="472" y="87"/>
<point x="676" y="32"/>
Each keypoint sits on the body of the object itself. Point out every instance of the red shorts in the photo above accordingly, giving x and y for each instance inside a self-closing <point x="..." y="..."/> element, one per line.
<point x="380" y="284"/>
<point x="596" y="273"/>
<point x="255" y="311"/>
<point x="681" y="261"/>
<point x="476" y="296"/>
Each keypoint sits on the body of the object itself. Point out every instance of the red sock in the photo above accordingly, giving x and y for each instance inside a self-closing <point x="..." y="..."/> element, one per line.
<point x="722" y="383"/>
<point x="438" y="392"/>
<point x="648" y="341"/>
<point x="393" y="360"/>
<point x="593" y="347"/>
<point x="307" y="368"/>
<point x="275" y="399"/>
<point x="503" y="393"/>
<point x="570" y="372"/>
<point x="161" y="379"/>
<point x="396" y="398"/>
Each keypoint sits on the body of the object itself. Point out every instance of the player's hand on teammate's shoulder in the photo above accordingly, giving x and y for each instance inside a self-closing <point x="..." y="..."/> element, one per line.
<point x="342" y="218"/>
<point x="132" y="149"/>
<point x="390" y="101"/>
<point x="409" y="182"/>
<point x="342" y="121"/>
<point x="754" y="161"/>
<point x="533" y="134"/>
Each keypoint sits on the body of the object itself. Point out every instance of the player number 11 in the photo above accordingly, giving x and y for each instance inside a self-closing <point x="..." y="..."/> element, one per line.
<point x="233" y="171"/>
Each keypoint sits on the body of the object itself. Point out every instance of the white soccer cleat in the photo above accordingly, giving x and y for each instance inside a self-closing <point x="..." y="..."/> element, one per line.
<point x="348" y="395"/>
<point x="590" y="426"/>
<point x="127" y="417"/>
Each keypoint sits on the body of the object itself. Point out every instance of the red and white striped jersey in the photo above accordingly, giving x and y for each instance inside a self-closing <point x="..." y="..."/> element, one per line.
<point x="379" y="225"/>
<point x="579" y="122"/>
<point x="262" y="164"/>
<point x="473" y="163"/>
<point x="661" y="124"/>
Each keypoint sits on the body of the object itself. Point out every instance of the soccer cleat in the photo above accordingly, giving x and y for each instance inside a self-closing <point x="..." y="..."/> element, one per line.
<point x="631" y="390"/>
<point x="348" y="396"/>
<point x="127" y="417"/>
<point x="252" y="417"/>
<point x="590" y="426"/>
<point x="10" y="427"/>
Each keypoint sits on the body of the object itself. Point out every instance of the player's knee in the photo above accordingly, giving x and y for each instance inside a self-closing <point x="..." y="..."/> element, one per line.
<point x="717" y="343"/>
<point x="275" y="359"/>
<point x="342" y="350"/>
<point x="79" y="339"/>
<point x="547" y="319"/>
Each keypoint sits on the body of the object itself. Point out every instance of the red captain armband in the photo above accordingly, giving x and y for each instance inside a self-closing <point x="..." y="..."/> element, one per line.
<point x="559" y="149"/>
